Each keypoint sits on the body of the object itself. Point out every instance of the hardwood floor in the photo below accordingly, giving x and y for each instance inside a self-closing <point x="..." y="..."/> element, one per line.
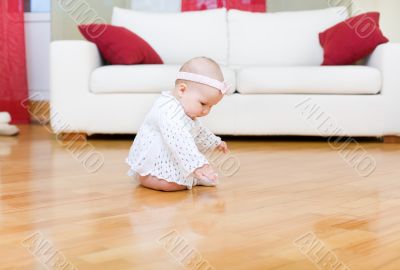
<point x="291" y="205"/>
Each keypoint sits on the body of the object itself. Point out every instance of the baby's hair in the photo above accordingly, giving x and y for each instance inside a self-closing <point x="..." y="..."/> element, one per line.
<point x="204" y="66"/>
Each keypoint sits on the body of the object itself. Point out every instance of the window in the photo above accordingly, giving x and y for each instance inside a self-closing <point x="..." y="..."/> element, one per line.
<point x="42" y="6"/>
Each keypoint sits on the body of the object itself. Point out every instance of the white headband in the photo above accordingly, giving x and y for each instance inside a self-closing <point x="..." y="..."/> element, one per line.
<point x="224" y="87"/>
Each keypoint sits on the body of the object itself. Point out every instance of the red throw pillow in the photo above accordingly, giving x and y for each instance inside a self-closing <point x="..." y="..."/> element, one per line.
<point x="351" y="40"/>
<point x="119" y="46"/>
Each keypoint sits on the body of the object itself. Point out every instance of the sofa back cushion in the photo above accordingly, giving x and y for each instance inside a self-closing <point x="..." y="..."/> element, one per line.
<point x="119" y="46"/>
<point x="177" y="37"/>
<point x="279" y="39"/>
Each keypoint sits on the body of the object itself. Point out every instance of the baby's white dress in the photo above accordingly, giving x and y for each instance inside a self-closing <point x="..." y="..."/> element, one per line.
<point x="169" y="144"/>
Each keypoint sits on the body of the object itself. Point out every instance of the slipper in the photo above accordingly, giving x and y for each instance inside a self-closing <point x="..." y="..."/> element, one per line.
<point x="8" y="130"/>
<point x="5" y="118"/>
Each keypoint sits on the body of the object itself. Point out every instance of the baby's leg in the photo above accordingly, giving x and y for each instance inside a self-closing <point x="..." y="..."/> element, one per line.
<point x="153" y="182"/>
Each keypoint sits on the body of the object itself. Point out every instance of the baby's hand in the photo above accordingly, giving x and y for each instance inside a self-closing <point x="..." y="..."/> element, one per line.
<point x="205" y="173"/>
<point x="223" y="147"/>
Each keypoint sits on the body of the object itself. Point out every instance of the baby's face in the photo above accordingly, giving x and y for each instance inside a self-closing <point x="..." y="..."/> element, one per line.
<point x="198" y="99"/>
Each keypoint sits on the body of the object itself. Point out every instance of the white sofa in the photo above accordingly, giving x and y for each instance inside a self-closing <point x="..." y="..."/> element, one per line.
<point x="272" y="59"/>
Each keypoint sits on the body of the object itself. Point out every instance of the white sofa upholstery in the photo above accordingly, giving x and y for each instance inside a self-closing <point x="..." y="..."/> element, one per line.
<point x="347" y="80"/>
<point x="279" y="39"/>
<point x="140" y="78"/>
<point x="281" y="89"/>
<point x="179" y="36"/>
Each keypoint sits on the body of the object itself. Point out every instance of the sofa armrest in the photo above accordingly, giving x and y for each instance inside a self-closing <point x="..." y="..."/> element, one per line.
<point x="386" y="58"/>
<point x="71" y="63"/>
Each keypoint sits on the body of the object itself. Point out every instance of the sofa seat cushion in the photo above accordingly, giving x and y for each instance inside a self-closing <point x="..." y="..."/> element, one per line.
<point x="309" y="80"/>
<point x="140" y="78"/>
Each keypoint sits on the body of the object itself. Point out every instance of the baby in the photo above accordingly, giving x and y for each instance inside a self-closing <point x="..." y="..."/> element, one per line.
<point x="168" y="151"/>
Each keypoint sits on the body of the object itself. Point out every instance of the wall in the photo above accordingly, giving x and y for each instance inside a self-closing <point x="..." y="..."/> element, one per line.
<point x="390" y="18"/>
<point x="157" y="5"/>
<point x="37" y="38"/>
<point x="67" y="15"/>
<point x="360" y="6"/>
<point x="390" y="14"/>
<point x="293" y="5"/>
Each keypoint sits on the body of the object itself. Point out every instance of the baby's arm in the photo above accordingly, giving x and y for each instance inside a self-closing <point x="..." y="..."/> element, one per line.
<point x="207" y="141"/>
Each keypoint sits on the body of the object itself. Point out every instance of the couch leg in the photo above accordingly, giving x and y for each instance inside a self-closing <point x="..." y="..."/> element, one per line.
<point x="391" y="139"/>
<point x="72" y="136"/>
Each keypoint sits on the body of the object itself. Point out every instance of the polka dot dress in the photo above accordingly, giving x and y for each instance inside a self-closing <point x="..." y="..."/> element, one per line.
<point x="169" y="144"/>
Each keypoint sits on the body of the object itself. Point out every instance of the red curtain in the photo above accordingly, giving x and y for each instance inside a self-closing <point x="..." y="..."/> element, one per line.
<point x="13" y="78"/>
<point x="246" y="5"/>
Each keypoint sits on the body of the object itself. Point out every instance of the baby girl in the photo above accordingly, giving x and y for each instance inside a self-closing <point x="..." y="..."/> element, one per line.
<point x="168" y="151"/>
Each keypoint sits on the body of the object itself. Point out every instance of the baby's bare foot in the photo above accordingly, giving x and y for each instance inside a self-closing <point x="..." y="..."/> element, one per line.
<point x="204" y="181"/>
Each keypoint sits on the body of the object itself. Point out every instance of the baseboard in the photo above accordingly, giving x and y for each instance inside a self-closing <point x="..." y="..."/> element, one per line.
<point x="391" y="139"/>
<point x="39" y="111"/>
